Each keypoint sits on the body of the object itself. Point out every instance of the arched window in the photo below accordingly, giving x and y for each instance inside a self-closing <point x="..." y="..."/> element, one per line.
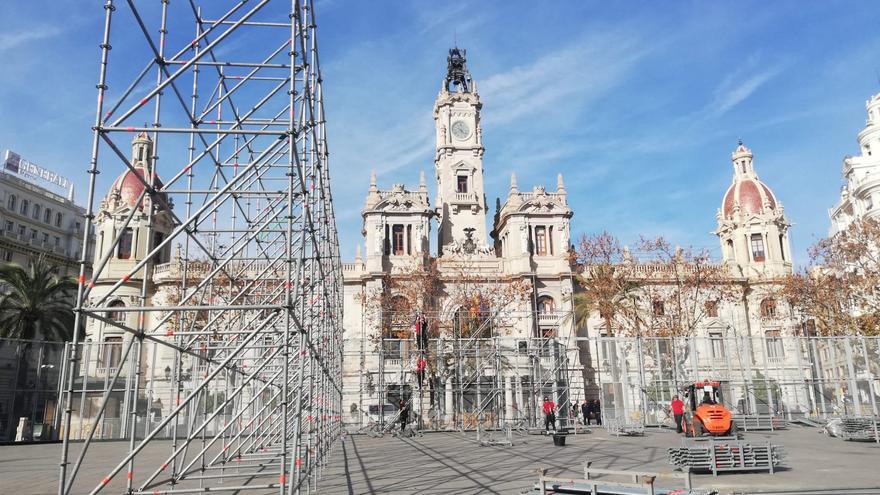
<point x="473" y="317"/>
<point x="36" y="212"/>
<point x="546" y="305"/>
<point x="768" y="308"/>
<point x="118" y="316"/>
<point x="10" y="204"/>
<point x="24" y="207"/>
<point x="58" y="217"/>
<point x="47" y="215"/>
<point x="712" y="308"/>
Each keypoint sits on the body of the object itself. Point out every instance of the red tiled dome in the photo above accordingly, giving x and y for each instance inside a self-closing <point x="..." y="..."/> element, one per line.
<point x="130" y="186"/>
<point x="750" y="194"/>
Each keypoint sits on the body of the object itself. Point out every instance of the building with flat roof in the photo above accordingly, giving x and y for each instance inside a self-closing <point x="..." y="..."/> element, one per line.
<point x="36" y="219"/>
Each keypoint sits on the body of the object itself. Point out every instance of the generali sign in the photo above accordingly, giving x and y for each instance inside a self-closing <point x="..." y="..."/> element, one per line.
<point x="14" y="163"/>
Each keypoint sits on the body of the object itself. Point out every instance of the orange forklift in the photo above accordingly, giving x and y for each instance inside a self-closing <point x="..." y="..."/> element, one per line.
<point x="709" y="416"/>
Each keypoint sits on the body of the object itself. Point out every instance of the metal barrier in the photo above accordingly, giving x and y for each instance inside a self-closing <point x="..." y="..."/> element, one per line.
<point x="642" y="483"/>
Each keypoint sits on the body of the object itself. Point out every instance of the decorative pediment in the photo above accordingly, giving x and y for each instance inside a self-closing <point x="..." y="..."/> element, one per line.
<point x="464" y="166"/>
<point x="540" y="201"/>
<point x="399" y="199"/>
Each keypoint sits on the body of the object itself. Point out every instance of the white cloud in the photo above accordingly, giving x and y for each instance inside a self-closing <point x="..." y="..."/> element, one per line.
<point x="735" y="89"/>
<point x="11" y="40"/>
<point x="579" y="72"/>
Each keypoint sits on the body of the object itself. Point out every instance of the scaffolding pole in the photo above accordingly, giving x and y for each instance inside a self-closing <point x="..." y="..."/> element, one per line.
<point x="246" y="319"/>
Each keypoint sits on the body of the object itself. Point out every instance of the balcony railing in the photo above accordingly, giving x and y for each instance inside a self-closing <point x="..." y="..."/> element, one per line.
<point x="465" y="198"/>
<point x="549" y="317"/>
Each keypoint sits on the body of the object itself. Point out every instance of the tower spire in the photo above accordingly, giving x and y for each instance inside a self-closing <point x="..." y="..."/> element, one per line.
<point x="373" y="186"/>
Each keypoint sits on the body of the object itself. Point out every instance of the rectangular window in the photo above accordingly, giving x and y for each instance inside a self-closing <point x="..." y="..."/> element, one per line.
<point x="550" y="238"/>
<point x="33" y="233"/>
<point x="461" y="185"/>
<point x="657" y="308"/>
<point x="540" y="241"/>
<point x="781" y="247"/>
<point x="45" y="238"/>
<point x="160" y="257"/>
<point x="757" y="247"/>
<point x="387" y="244"/>
<point x="409" y="239"/>
<point x="397" y="245"/>
<point x="775" y="351"/>
<point x="123" y="252"/>
<point x="717" y="342"/>
<point x="57" y="241"/>
<point x="112" y="351"/>
<point x="22" y="230"/>
<point x="9" y="225"/>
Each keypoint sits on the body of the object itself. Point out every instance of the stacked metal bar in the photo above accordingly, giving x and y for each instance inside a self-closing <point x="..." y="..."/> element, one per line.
<point x="717" y="455"/>
<point x="860" y="428"/>
<point x="759" y="422"/>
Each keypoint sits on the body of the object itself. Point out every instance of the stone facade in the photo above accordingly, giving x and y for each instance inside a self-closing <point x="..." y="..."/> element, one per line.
<point x="35" y="220"/>
<point x="860" y="193"/>
<point x="530" y="243"/>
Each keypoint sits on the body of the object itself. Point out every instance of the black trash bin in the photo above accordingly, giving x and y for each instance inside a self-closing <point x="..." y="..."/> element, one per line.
<point x="559" y="440"/>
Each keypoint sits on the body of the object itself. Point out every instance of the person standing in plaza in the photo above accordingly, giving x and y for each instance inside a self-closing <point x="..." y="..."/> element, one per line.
<point x="677" y="407"/>
<point x="585" y="412"/>
<point x="597" y="411"/>
<point x="404" y="414"/>
<point x="549" y="414"/>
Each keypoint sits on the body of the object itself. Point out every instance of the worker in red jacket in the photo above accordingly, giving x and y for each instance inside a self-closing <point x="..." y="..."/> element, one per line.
<point x="549" y="414"/>
<point x="421" y="364"/>
<point x="677" y="407"/>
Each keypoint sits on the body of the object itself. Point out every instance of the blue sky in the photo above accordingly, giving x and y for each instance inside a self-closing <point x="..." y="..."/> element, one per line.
<point x="638" y="104"/>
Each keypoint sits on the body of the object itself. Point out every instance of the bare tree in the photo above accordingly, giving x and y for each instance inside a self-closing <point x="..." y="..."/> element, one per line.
<point x="838" y="291"/>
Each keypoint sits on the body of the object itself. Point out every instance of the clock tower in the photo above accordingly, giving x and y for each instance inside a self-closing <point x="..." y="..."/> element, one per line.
<point x="461" y="201"/>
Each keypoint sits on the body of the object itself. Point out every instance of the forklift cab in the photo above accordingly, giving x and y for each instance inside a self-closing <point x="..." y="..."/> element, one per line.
<point x="709" y="415"/>
<point x="704" y="393"/>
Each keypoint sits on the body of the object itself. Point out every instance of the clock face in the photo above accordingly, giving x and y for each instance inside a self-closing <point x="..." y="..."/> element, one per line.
<point x="460" y="130"/>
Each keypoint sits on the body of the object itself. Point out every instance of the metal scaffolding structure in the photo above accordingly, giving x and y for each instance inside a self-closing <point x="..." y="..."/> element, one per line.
<point x="484" y="378"/>
<point x="495" y="381"/>
<point x="250" y="327"/>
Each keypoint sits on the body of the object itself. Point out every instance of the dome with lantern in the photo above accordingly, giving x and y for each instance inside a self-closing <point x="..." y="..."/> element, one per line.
<point x="747" y="195"/>
<point x="128" y="186"/>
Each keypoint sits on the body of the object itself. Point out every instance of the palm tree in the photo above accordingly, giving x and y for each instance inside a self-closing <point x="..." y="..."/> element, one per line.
<point x="38" y="303"/>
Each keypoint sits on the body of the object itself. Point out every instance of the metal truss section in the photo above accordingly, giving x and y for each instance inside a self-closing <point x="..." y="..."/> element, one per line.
<point x="213" y="315"/>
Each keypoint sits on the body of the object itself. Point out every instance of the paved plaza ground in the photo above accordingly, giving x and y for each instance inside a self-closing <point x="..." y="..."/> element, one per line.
<point x="452" y="463"/>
